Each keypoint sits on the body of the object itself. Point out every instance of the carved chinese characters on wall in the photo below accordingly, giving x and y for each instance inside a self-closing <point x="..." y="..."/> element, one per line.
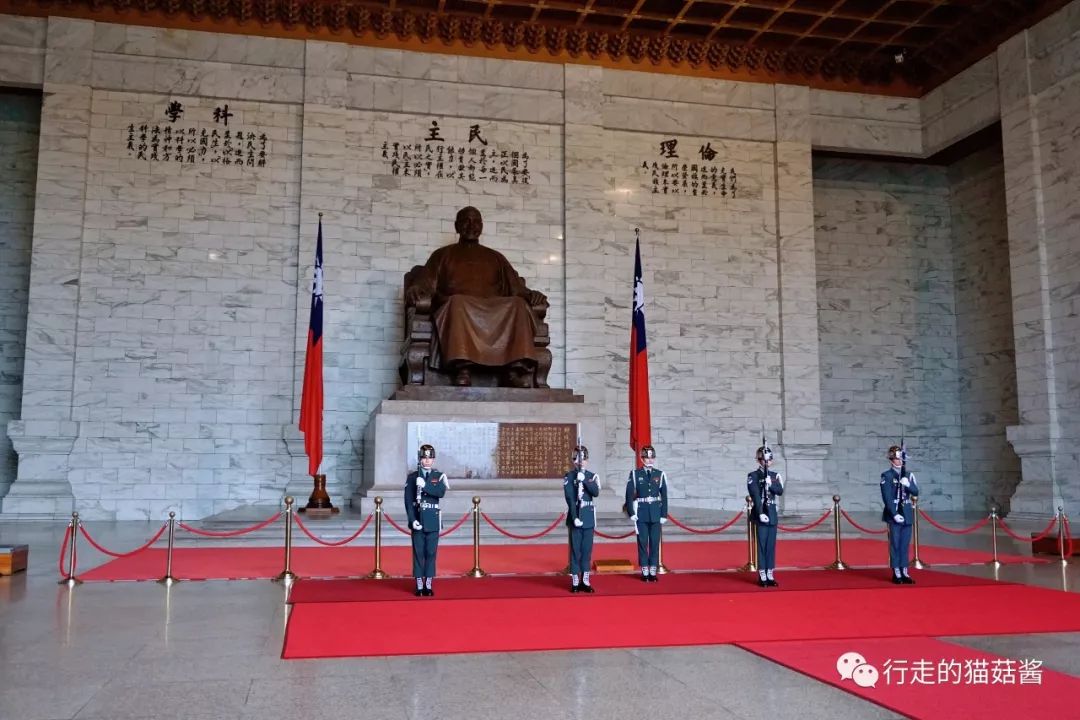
<point x="534" y="450"/>
<point x="694" y="174"/>
<point x="477" y="160"/>
<point x="199" y="141"/>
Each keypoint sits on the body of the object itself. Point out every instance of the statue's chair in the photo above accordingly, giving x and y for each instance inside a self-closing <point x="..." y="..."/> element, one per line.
<point x="415" y="366"/>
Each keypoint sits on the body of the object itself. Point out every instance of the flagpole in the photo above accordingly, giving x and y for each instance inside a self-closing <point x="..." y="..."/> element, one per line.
<point x="311" y="404"/>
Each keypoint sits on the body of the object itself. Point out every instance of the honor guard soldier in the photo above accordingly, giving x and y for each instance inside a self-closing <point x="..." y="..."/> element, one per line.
<point x="580" y="489"/>
<point x="763" y="486"/>
<point x="423" y="488"/>
<point x="647" y="506"/>
<point x="897" y="488"/>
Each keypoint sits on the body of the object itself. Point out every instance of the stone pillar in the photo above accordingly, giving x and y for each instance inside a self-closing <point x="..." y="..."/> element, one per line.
<point x="587" y="224"/>
<point x="1037" y="436"/>
<point x="45" y="434"/>
<point x="803" y="443"/>
<point x="323" y="165"/>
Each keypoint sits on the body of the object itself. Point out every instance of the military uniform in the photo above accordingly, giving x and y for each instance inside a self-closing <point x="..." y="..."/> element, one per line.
<point x="647" y="505"/>
<point x="580" y="488"/>
<point x="424" y="516"/>
<point x="763" y="493"/>
<point x="898" y="514"/>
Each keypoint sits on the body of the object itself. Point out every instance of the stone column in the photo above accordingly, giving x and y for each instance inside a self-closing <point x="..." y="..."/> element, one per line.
<point x="322" y="190"/>
<point x="587" y="224"/>
<point x="1037" y="436"/>
<point x="803" y="443"/>
<point x="45" y="434"/>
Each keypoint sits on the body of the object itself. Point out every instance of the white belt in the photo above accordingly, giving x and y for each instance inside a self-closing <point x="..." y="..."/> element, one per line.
<point x="648" y="500"/>
<point x="429" y="506"/>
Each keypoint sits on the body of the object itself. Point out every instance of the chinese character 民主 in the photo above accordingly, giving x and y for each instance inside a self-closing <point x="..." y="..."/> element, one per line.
<point x="433" y="132"/>
<point x="474" y="134"/>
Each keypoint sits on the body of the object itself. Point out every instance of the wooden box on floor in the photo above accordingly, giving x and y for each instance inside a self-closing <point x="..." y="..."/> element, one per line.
<point x="613" y="566"/>
<point x="13" y="558"/>
<point x="1049" y="545"/>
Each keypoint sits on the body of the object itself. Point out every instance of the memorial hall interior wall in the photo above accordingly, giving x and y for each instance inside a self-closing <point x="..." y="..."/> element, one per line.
<point x="168" y="299"/>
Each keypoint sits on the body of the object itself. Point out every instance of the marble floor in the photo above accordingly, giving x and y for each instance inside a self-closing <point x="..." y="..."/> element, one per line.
<point x="211" y="650"/>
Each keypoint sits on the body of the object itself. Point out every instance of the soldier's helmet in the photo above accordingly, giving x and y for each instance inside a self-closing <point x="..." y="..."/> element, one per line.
<point x="895" y="452"/>
<point x="764" y="454"/>
<point x="648" y="452"/>
<point x="580" y="453"/>
<point x="425" y="451"/>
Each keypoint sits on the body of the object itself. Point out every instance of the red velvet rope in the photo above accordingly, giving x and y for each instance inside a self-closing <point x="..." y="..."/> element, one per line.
<point x="543" y="532"/>
<point x="810" y="526"/>
<point x="403" y="531"/>
<point x="1068" y="535"/>
<point x="709" y="531"/>
<point x="63" y="550"/>
<point x="859" y="527"/>
<point x="615" y="537"/>
<point x="230" y="533"/>
<point x="961" y="531"/>
<point x="110" y="553"/>
<point x="338" y="543"/>
<point x="1020" y="538"/>
<point x="458" y="524"/>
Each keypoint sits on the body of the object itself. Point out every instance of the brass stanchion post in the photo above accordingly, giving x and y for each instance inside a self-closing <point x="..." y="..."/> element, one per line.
<point x="476" y="571"/>
<point x="994" y="562"/>
<point x="167" y="578"/>
<point x="287" y="575"/>
<point x="917" y="561"/>
<point x="377" y="573"/>
<point x="751" y="541"/>
<point x="838" y="563"/>
<point x="661" y="569"/>
<point x="71" y="581"/>
<point x="1061" y="535"/>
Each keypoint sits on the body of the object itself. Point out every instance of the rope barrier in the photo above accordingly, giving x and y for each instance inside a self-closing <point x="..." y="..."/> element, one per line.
<point x="1068" y="535"/>
<point x="859" y="527"/>
<point x="230" y="533"/>
<point x="809" y="526"/>
<point x="614" y="537"/>
<point x="710" y="531"/>
<point x="508" y="534"/>
<point x="110" y="553"/>
<point x="387" y="518"/>
<point x="458" y="524"/>
<point x="63" y="549"/>
<point x="337" y="543"/>
<point x="962" y="531"/>
<point x="1021" y="538"/>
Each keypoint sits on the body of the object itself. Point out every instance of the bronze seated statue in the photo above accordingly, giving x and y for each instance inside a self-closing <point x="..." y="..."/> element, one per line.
<point x="471" y="320"/>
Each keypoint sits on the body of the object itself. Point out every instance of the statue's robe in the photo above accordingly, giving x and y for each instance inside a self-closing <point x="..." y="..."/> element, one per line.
<point x="481" y="315"/>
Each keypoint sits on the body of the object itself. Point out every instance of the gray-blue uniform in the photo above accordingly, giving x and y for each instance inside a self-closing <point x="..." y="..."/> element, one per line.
<point x="763" y="495"/>
<point x="425" y="542"/>
<point x="897" y="501"/>
<point x="580" y="508"/>
<point x="648" y="488"/>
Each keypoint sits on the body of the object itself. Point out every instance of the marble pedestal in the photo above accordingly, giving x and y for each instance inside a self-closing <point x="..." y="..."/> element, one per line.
<point x="387" y="446"/>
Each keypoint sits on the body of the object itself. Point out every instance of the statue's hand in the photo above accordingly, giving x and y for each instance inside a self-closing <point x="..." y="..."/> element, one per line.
<point x="536" y="298"/>
<point x="416" y="292"/>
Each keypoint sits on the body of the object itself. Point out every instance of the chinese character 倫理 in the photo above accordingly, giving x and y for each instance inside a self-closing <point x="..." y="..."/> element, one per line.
<point x="707" y="152"/>
<point x="667" y="148"/>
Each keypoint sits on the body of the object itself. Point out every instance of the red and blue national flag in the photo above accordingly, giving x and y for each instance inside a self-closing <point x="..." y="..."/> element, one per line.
<point x="311" y="401"/>
<point x="640" y="421"/>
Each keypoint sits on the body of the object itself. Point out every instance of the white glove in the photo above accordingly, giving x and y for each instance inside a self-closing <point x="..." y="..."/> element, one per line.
<point x="580" y="475"/>
<point x="663" y="521"/>
<point x="633" y="518"/>
<point x="416" y="525"/>
<point x="578" y="523"/>
<point x="780" y="479"/>
<point x="905" y="482"/>
<point x="420" y="482"/>
<point x="763" y="517"/>
<point x="898" y="518"/>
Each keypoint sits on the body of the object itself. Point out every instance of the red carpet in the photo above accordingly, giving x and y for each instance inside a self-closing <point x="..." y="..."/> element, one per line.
<point x="225" y="563"/>
<point x="1056" y="697"/>
<point x="655" y="618"/>
<point x="539" y="586"/>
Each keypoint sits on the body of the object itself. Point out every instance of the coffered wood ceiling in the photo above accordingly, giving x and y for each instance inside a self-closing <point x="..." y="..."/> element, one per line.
<point x="902" y="47"/>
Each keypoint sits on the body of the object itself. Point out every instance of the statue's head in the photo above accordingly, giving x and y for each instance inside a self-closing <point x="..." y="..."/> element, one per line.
<point x="469" y="224"/>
